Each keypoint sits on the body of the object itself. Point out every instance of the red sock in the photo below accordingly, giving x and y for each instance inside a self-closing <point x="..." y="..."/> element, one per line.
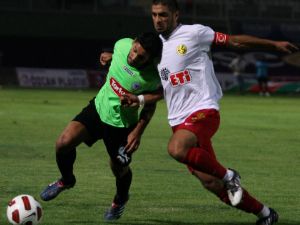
<point x="201" y="160"/>
<point x="248" y="203"/>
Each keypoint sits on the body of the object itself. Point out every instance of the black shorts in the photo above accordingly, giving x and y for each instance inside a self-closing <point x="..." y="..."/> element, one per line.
<point x="113" y="137"/>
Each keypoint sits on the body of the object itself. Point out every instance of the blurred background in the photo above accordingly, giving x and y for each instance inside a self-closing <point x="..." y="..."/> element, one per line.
<point x="67" y="37"/>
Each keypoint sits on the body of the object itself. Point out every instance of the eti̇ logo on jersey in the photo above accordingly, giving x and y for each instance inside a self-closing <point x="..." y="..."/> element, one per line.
<point x="181" y="49"/>
<point x="180" y="78"/>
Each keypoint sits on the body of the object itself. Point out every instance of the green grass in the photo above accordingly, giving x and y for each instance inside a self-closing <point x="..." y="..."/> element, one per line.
<point x="258" y="136"/>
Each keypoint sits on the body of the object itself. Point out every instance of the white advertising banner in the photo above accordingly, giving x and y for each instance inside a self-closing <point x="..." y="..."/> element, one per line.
<point x="52" y="78"/>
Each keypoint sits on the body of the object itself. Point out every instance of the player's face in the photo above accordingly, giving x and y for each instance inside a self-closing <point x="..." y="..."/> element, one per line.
<point x="137" y="56"/>
<point x="164" y="20"/>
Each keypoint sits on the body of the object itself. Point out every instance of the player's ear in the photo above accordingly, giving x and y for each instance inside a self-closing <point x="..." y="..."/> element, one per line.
<point x="176" y="15"/>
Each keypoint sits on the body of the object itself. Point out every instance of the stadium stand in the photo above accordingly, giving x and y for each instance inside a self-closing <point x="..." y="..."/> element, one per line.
<point x="88" y="23"/>
<point x="14" y="5"/>
<point x="250" y="9"/>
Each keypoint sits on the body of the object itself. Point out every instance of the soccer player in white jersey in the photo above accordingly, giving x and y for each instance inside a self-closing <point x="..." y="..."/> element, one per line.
<point x="192" y="92"/>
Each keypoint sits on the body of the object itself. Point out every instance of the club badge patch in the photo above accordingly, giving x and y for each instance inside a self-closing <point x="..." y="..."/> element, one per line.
<point x="135" y="86"/>
<point x="164" y="74"/>
<point x="181" y="49"/>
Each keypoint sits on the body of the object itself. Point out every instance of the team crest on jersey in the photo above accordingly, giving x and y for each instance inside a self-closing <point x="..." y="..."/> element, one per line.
<point x="136" y="86"/>
<point x="164" y="74"/>
<point x="181" y="49"/>
<point x="126" y="69"/>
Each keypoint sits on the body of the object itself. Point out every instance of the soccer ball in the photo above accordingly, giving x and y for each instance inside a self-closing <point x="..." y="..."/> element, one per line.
<point x="24" y="209"/>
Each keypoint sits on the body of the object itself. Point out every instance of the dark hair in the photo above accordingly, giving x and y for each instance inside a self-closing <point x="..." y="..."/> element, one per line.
<point x="172" y="4"/>
<point x="151" y="43"/>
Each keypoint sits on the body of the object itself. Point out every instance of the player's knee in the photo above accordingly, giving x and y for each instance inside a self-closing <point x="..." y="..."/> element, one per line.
<point x="179" y="146"/>
<point x="122" y="172"/>
<point x="63" y="144"/>
<point x="176" y="152"/>
<point x="118" y="170"/>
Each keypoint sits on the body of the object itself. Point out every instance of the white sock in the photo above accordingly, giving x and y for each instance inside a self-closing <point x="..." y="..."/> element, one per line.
<point x="228" y="176"/>
<point x="264" y="212"/>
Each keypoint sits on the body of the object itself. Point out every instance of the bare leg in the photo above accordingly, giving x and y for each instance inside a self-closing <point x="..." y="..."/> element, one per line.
<point x="248" y="204"/>
<point x="74" y="134"/>
<point x="183" y="148"/>
<point x="66" y="144"/>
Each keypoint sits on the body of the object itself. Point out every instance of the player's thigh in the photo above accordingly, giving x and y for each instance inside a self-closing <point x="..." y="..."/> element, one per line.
<point x="203" y="124"/>
<point x="74" y="134"/>
<point x="181" y="141"/>
<point x="115" y="139"/>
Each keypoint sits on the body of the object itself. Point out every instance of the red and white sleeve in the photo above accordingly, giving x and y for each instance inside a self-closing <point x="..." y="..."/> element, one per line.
<point x="220" y="39"/>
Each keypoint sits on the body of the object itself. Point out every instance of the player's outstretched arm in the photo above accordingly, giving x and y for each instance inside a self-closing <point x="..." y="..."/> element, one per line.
<point x="247" y="41"/>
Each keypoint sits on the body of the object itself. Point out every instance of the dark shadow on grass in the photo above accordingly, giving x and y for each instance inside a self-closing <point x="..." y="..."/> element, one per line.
<point x="160" y="222"/>
<point x="171" y="223"/>
<point x="163" y="222"/>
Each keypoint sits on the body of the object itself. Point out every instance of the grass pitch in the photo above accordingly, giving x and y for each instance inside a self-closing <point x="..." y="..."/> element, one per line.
<point x="258" y="136"/>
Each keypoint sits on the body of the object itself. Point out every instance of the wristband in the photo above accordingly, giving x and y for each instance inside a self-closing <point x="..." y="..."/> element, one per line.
<point x="141" y="100"/>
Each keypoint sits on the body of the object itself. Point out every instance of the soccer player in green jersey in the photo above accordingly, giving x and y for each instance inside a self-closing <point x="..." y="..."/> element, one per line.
<point x="132" y="70"/>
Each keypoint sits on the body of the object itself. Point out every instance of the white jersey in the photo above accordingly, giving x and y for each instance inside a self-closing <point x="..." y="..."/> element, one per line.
<point x="187" y="73"/>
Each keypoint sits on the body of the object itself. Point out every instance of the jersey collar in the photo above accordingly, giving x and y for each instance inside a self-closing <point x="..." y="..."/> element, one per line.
<point x="165" y="38"/>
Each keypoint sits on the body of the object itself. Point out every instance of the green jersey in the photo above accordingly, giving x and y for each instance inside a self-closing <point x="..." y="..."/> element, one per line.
<point x="122" y="79"/>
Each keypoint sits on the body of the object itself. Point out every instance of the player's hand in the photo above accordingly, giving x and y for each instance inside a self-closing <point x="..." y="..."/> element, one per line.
<point x="129" y="100"/>
<point x="105" y="58"/>
<point x="286" y="47"/>
<point x="133" y="142"/>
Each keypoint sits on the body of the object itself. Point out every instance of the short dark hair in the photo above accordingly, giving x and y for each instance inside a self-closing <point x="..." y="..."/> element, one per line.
<point x="172" y="4"/>
<point x="151" y="43"/>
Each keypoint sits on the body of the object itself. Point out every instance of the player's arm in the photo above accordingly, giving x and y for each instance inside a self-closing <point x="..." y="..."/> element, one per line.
<point x="247" y="41"/>
<point x="152" y="97"/>
<point x="134" y="138"/>
<point x="105" y="58"/>
<point x="130" y="100"/>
